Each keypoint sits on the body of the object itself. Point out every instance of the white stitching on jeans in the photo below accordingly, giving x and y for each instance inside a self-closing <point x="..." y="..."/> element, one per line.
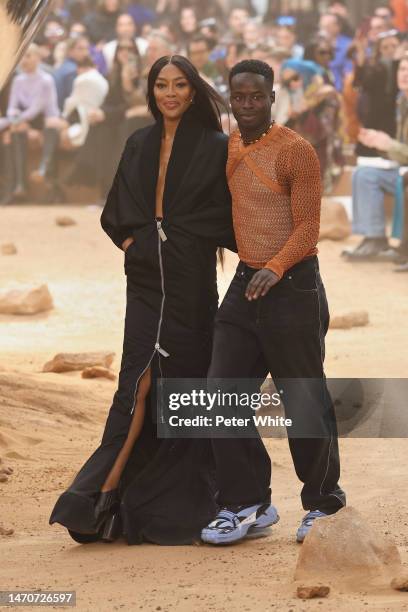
<point x="321" y="356"/>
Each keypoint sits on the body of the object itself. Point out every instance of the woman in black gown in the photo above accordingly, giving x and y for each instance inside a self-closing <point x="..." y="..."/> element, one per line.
<point x="169" y="208"/>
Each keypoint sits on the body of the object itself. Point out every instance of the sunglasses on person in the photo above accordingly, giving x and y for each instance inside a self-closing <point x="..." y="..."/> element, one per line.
<point x="324" y="52"/>
<point x="293" y="79"/>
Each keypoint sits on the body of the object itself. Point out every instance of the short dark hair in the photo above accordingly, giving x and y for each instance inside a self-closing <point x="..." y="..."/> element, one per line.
<point x="87" y="62"/>
<point x="255" y="67"/>
<point x="197" y="38"/>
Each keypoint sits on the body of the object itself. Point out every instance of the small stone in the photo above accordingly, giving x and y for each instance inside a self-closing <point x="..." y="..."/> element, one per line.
<point x="8" y="249"/>
<point x="26" y="301"/>
<point x="6" y="532"/>
<point x="349" y="320"/>
<point x="69" y="362"/>
<point x="65" y="221"/>
<point x="310" y="592"/>
<point x="334" y="222"/>
<point x="98" y="372"/>
<point x="400" y="583"/>
<point x="3" y="478"/>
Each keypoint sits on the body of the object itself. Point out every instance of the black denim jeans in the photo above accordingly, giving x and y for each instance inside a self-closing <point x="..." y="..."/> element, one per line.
<point x="281" y="333"/>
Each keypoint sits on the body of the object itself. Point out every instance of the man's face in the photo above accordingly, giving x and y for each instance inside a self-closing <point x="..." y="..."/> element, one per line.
<point x="199" y="54"/>
<point x="285" y="38"/>
<point x="329" y="25"/>
<point x="251" y="100"/>
<point x="339" y="9"/>
<point x="238" y="19"/>
<point x="388" y="47"/>
<point x="377" y="26"/>
<point x="111" y="6"/>
<point x="251" y="33"/>
<point x="30" y="61"/>
<point x="80" y="51"/>
<point x="385" y="13"/>
<point x="125" y="27"/>
<point x="156" y="49"/>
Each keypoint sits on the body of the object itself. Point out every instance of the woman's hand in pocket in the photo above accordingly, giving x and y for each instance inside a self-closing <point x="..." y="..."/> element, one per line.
<point x="126" y="243"/>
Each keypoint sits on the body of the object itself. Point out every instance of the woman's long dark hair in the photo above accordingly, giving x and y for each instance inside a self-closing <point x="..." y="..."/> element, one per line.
<point x="18" y="9"/>
<point x="207" y="102"/>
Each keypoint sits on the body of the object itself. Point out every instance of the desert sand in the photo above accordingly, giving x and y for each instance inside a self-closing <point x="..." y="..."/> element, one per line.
<point x="50" y="424"/>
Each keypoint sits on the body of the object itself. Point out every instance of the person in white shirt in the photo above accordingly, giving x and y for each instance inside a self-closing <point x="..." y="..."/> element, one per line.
<point x="125" y="30"/>
<point x="89" y="92"/>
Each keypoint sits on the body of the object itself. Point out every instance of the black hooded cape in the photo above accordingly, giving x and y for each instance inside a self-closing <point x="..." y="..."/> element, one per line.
<point x="167" y="488"/>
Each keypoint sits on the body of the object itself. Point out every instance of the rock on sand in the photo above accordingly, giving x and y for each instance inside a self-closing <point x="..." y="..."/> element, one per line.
<point x="334" y="222"/>
<point x="69" y="362"/>
<point x="98" y="372"/>
<point x="349" y="320"/>
<point x="344" y="545"/>
<point x="26" y="301"/>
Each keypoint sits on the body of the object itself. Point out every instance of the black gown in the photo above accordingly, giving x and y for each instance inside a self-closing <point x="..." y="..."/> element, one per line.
<point x="167" y="488"/>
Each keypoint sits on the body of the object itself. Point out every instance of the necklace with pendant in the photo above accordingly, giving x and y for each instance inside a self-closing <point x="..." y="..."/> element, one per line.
<point x="251" y="142"/>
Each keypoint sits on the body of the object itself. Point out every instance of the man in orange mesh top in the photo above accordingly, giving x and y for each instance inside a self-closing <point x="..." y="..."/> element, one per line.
<point x="274" y="316"/>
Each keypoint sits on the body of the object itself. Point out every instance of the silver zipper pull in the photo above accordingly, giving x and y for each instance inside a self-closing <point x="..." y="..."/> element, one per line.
<point x="161" y="231"/>
<point x="161" y="350"/>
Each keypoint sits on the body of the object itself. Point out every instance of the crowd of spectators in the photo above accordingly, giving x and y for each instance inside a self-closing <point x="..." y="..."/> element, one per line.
<point x="79" y="90"/>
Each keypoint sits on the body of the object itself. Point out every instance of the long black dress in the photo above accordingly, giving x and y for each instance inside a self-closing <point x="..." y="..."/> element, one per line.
<point x="167" y="489"/>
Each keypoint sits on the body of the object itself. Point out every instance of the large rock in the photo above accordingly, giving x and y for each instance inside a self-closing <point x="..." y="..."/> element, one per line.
<point x="349" y="320"/>
<point x="334" y="222"/>
<point x="68" y="362"/>
<point x="26" y="301"/>
<point x="345" y="546"/>
<point x="98" y="372"/>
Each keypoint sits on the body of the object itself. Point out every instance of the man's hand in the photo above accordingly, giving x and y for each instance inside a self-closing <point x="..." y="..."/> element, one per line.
<point x="126" y="243"/>
<point x="375" y="139"/>
<point x="260" y="284"/>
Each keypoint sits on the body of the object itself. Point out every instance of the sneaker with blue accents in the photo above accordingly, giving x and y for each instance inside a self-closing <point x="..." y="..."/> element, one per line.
<point x="232" y="525"/>
<point x="307" y="523"/>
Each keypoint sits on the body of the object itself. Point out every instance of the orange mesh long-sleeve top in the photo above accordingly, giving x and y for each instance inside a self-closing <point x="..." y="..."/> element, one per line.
<point x="276" y="198"/>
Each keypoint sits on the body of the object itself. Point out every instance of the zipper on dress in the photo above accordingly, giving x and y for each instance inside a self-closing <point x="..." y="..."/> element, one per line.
<point x="161" y="238"/>
<point x="160" y="229"/>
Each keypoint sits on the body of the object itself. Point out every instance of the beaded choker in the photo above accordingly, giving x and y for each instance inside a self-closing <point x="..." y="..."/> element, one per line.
<point x="251" y="142"/>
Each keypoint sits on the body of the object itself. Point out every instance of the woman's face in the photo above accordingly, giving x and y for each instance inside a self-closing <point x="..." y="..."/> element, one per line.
<point x="126" y="54"/>
<point x="403" y="76"/>
<point x="291" y="79"/>
<point x="324" y="55"/>
<point x="173" y="92"/>
<point x="388" y="47"/>
<point x="188" y="20"/>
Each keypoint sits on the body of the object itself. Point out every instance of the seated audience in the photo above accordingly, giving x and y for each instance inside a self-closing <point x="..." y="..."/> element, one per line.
<point x="371" y="182"/>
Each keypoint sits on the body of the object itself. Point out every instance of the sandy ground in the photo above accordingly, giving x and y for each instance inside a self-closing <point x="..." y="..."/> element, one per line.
<point x="50" y="423"/>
